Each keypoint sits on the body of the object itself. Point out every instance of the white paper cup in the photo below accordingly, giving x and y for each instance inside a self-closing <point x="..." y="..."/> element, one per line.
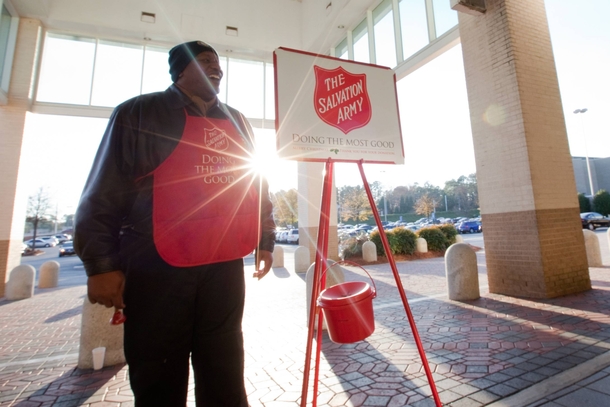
<point x="98" y="357"/>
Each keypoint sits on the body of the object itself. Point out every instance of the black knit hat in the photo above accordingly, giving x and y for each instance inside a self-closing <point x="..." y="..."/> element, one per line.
<point x="181" y="55"/>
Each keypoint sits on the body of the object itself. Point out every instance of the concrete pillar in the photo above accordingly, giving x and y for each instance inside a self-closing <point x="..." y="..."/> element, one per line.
<point x="13" y="201"/>
<point x="594" y="253"/>
<point x="20" y="283"/>
<point x="301" y="259"/>
<point x="459" y="239"/>
<point x="421" y="246"/>
<point x="310" y="183"/>
<point x="278" y="257"/>
<point x="533" y="240"/>
<point x="49" y="275"/>
<point x="96" y="331"/>
<point x="462" y="273"/>
<point x="369" y="251"/>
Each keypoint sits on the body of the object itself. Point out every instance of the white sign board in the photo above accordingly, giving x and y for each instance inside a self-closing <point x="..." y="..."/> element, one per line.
<point x="332" y="108"/>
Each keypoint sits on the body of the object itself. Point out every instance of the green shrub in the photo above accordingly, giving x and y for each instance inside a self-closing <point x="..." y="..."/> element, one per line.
<point x="401" y="241"/>
<point x="584" y="203"/>
<point x="449" y="231"/>
<point x="601" y="202"/>
<point x="436" y="239"/>
<point x="405" y="241"/>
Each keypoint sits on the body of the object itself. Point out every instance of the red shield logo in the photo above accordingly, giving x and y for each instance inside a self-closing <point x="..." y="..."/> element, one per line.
<point x="215" y="139"/>
<point x="341" y="99"/>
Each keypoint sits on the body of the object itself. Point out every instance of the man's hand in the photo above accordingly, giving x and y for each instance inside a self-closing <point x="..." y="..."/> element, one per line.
<point x="107" y="289"/>
<point x="264" y="260"/>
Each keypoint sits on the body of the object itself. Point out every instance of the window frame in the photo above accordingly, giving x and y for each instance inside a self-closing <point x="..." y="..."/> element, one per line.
<point x="9" y="52"/>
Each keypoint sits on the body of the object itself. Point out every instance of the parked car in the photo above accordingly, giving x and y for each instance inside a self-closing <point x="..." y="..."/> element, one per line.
<point x="593" y="220"/>
<point x="469" y="226"/>
<point x="278" y="234"/>
<point x="39" y="243"/>
<point x="50" y="239"/>
<point x="66" y="249"/>
<point x="293" y="236"/>
<point x="63" y="238"/>
<point x="364" y="228"/>
<point x="283" y="236"/>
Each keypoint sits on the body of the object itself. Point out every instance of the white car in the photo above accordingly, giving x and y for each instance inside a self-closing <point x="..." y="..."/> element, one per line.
<point x="283" y="236"/>
<point x="278" y="234"/>
<point x="63" y="238"/>
<point x="39" y="243"/>
<point x="293" y="236"/>
<point x="50" y="239"/>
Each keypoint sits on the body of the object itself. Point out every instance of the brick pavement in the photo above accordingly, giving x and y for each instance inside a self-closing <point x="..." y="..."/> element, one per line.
<point x="480" y="351"/>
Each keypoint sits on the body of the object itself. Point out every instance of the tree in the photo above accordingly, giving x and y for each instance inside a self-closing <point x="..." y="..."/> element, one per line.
<point x="378" y="194"/>
<point x="69" y="220"/>
<point x="463" y="193"/>
<point x="601" y="202"/>
<point x="354" y="203"/>
<point x="584" y="203"/>
<point x="39" y="206"/>
<point x="285" y="207"/>
<point x="425" y="205"/>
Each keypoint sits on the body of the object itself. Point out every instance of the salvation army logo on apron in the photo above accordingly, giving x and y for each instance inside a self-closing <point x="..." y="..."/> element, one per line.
<point x="205" y="197"/>
<point x="341" y="98"/>
<point x="215" y="139"/>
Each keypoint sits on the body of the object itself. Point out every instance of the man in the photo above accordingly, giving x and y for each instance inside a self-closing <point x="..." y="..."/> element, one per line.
<point x="170" y="209"/>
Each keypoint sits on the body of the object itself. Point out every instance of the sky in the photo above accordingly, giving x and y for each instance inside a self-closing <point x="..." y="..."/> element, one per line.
<point x="58" y="150"/>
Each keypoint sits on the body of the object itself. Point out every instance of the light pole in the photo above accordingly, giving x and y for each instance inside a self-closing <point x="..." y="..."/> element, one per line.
<point x="582" y="125"/>
<point x="385" y="206"/>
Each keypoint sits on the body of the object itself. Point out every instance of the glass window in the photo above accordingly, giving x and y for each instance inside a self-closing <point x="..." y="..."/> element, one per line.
<point x="63" y="78"/>
<point x="156" y="70"/>
<point x="269" y="92"/>
<point x="444" y="17"/>
<point x="222" y="95"/>
<point x="106" y="73"/>
<point x="245" y="87"/>
<point x="341" y="50"/>
<point x="5" y="28"/>
<point x="414" y="26"/>
<point x="361" y="42"/>
<point x="118" y="73"/>
<point x="385" y="43"/>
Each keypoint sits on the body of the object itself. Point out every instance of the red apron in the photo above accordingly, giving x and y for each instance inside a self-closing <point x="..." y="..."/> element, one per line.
<point x="205" y="198"/>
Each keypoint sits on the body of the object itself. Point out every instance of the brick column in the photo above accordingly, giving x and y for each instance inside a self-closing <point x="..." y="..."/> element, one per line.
<point x="310" y="182"/>
<point x="533" y="239"/>
<point x="13" y="203"/>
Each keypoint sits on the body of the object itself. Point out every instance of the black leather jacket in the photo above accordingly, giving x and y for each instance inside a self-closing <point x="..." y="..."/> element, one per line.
<point x="142" y="132"/>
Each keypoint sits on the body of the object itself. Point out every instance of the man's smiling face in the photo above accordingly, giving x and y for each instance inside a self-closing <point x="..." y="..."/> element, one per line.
<point x="202" y="76"/>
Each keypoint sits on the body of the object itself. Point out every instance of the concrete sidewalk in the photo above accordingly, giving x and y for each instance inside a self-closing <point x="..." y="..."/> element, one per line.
<point x="495" y="351"/>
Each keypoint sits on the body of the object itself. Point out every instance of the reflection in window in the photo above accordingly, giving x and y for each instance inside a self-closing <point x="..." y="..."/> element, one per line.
<point x="245" y="87"/>
<point x="413" y="25"/>
<point x="341" y="50"/>
<point x="385" y="44"/>
<point x="444" y="17"/>
<point x="155" y="76"/>
<point x="63" y="78"/>
<point x="361" y="42"/>
<point x="269" y="92"/>
<point x="118" y="70"/>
